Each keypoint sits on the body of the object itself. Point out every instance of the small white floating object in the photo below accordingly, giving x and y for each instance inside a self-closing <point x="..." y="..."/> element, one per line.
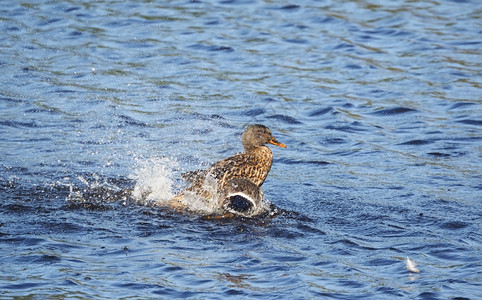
<point x="411" y="266"/>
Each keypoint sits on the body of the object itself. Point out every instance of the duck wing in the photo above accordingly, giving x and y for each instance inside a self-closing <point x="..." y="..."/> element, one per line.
<point x="217" y="170"/>
<point x="242" y="165"/>
<point x="253" y="166"/>
<point x="194" y="176"/>
<point x="225" y="169"/>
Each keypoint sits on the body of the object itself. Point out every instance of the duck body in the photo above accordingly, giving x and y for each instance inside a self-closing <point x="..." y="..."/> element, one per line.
<point x="229" y="181"/>
<point x="253" y="165"/>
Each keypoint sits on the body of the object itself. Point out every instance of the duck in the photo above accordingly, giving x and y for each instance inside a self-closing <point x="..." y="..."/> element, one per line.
<point x="238" y="178"/>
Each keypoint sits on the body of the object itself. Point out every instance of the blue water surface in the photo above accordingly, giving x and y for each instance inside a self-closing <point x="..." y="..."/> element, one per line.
<point x="378" y="102"/>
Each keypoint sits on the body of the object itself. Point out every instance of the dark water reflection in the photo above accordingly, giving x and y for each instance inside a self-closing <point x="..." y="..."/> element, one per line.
<point x="378" y="102"/>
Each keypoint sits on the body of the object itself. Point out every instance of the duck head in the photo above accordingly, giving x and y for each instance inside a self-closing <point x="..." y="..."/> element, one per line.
<point x="258" y="135"/>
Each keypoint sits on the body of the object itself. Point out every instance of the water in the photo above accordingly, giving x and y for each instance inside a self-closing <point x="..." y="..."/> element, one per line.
<point x="378" y="102"/>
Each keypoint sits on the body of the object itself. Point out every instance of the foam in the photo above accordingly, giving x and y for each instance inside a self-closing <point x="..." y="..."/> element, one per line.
<point x="154" y="183"/>
<point x="199" y="204"/>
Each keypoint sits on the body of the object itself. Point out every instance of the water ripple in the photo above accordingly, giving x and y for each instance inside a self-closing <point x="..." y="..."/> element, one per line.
<point x="394" y="111"/>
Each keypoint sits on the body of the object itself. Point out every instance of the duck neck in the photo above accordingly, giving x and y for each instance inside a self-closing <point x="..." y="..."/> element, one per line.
<point x="258" y="150"/>
<point x="263" y="157"/>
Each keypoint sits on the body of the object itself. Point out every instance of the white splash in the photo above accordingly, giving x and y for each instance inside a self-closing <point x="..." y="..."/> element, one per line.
<point x="154" y="182"/>
<point x="411" y="265"/>
<point x="199" y="204"/>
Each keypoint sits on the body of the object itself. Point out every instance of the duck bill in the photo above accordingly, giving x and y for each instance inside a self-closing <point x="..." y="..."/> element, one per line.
<point x="276" y="143"/>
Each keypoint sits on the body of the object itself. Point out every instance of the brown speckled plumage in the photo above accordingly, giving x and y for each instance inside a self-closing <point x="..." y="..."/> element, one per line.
<point x="253" y="164"/>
